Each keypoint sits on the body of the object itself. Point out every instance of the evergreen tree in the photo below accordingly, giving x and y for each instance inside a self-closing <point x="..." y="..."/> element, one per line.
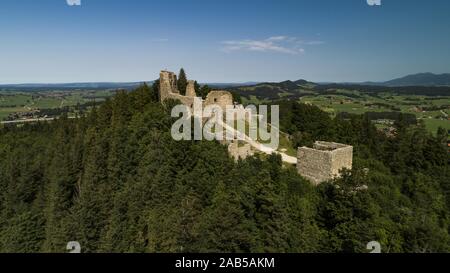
<point x="204" y="91"/>
<point x="116" y="181"/>
<point x="224" y="226"/>
<point x="182" y="82"/>
<point x="442" y="135"/>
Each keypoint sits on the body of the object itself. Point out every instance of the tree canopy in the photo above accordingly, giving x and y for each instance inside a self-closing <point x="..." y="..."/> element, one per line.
<point x="116" y="181"/>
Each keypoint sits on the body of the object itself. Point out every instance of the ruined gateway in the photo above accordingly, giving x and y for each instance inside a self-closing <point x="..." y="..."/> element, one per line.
<point x="318" y="164"/>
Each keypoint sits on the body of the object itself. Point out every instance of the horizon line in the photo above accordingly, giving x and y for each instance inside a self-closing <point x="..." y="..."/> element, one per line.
<point x="216" y="82"/>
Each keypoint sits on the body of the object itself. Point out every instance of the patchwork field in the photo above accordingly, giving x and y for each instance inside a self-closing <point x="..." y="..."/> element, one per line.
<point x="22" y="102"/>
<point x="434" y="112"/>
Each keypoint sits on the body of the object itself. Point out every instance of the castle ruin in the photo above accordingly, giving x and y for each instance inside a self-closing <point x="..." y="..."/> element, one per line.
<point x="324" y="161"/>
<point x="321" y="163"/>
<point x="168" y="90"/>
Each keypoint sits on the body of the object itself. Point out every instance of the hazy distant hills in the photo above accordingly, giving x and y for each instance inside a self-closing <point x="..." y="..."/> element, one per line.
<point x="69" y="86"/>
<point x="420" y="84"/>
<point x="421" y="79"/>
<point x="268" y="88"/>
<point x="96" y="86"/>
<point x="227" y="85"/>
<point x="274" y="90"/>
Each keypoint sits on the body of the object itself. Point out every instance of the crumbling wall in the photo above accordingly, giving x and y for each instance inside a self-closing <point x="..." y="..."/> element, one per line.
<point x="341" y="158"/>
<point x="220" y="98"/>
<point x="190" y="89"/>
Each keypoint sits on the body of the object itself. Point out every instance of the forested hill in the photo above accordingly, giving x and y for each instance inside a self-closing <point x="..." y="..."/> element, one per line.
<point x="296" y="89"/>
<point x="421" y="79"/>
<point x="116" y="181"/>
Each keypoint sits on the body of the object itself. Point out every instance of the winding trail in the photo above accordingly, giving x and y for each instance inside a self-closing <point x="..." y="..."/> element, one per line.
<point x="30" y="120"/>
<point x="258" y="146"/>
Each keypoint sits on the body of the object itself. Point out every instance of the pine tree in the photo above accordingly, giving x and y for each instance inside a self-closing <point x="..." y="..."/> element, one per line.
<point x="94" y="204"/>
<point x="60" y="190"/>
<point x="442" y="136"/>
<point x="224" y="227"/>
<point x="182" y="82"/>
<point x="197" y="87"/>
<point x="155" y="91"/>
<point x="204" y="91"/>
<point x="24" y="233"/>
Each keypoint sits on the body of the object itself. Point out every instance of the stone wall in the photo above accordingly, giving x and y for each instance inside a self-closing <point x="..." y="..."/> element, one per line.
<point x="324" y="161"/>
<point x="188" y="101"/>
<point x="190" y="89"/>
<point x="220" y="98"/>
<point x="168" y="90"/>
<point x="342" y="158"/>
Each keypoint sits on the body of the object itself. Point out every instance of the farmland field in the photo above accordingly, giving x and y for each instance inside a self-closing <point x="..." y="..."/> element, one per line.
<point x="434" y="112"/>
<point x="21" y="102"/>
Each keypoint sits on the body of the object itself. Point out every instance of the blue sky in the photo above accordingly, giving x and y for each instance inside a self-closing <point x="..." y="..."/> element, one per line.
<point x="222" y="41"/>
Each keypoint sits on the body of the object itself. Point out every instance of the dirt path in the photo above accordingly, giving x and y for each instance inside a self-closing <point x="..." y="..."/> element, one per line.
<point x="258" y="146"/>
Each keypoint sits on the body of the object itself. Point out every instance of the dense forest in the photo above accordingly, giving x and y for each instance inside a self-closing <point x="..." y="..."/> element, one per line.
<point x="116" y="181"/>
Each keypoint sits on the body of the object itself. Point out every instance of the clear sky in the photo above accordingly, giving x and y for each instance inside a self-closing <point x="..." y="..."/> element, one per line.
<point x="222" y="40"/>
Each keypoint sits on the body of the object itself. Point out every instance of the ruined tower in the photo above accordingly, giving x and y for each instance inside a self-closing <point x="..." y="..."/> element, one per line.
<point x="324" y="161"/>
<point x="190" y="89"/>
<point x="167" y="85"/>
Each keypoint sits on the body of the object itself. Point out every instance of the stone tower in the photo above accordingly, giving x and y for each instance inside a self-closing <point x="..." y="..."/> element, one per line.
<point x="324" y="161"/>
<point x="167" y="85"/>
<point x="190" y="89"/>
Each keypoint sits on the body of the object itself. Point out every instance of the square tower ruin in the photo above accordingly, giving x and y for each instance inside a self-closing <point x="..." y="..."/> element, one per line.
<point x="324" y="161"/>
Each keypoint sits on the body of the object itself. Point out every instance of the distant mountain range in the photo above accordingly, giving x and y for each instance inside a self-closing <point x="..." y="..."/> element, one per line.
<point x="227" y="85"/>
<point x="95" y="86"/>
<point x="421" y="79"/>
<point x="70" y="86"/>
<point x="420" y="84"/>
